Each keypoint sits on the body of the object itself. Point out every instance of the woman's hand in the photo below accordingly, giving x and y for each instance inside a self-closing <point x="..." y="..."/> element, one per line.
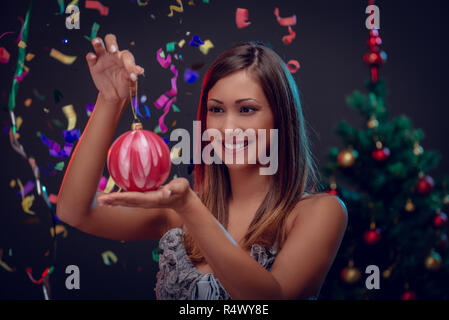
<point x="113" y="71"/>
<point x="175" y="195"/>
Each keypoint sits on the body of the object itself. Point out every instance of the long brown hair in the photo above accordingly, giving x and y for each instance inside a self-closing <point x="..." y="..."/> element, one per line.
<point x="297" y="172"/>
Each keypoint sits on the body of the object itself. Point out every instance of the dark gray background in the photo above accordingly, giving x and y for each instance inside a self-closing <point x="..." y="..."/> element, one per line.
<point x="330" y="42"/>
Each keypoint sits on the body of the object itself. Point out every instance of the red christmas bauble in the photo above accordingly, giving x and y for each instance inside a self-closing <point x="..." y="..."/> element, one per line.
<point x="139" y="160"/>
<point x="425" y="185"/>
<point x="332" y="192"/>
<point x="381" y="154"/>
<point x="408" y="295"/>
<point x="372" y="236"/>
<point x="440" y="220"/>
<point x="373" y="58"/>
<point x="374" y="42"/>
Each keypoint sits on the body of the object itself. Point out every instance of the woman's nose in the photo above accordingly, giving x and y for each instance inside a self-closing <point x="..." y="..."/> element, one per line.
<point x="232" y="124"/>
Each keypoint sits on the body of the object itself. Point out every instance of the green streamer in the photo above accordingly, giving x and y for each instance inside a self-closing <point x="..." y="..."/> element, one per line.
<point x="61" y="7"/>
<point x="20" y="61"/>
<point x="93" y="32"/>
<point x="156" y="252"/>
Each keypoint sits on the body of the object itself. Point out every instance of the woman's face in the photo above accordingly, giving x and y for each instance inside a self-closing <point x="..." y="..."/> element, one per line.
<point x="238" y="102"/>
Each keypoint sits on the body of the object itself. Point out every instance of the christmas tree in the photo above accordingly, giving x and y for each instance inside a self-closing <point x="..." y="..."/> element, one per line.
<point x="396" y="209"/>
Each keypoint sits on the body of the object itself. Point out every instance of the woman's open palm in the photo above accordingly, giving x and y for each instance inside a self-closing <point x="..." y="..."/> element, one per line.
<point x="171" y="195"/>
<point x="113" y="71"/>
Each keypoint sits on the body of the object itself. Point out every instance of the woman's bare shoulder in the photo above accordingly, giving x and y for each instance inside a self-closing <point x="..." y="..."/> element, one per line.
<point x="312" y="200"/>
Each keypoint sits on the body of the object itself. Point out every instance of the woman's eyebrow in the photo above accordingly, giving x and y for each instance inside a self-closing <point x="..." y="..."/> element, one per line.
<point x="236" y="101"/>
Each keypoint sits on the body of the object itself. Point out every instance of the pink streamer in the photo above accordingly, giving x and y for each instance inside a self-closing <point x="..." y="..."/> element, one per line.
<point x="164" y="98"/>
<point x="289" y="38"/>
<point x="285" y="22"/>
<point x="163" y="62"/>
<point x="241" y="18"/>
<point x="102" y="184"/>
<point x="162" y="125"/>
<point x="20" y="78"/>
<point x="5" y="33"/>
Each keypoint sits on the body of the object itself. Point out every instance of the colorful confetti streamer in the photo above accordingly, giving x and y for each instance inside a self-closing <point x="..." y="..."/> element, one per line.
<point x="93" y="31"/>
<point x="190" y="76"/>
<point x="196" y="41"/>
<point x="175" y="8"/>
<point x="241" y="17"/>
<point x="61" y="7"/>
<point x="60" y="229"/>
<point x="286" y="22"/>
<point x="62" y="57"/>
<point x="70" y="115"/>
<point x="23" y="37"/>
<point x="4" y="56"/>
<point x="26" y="189"/>
<point x="293" y="66"/>
<point x="5" y="33"/>
<point x="46" y="272"/>
<point x="90" y="4"/>
<point x="109" y="257"/>
<point x="155" y="253"/>
<point x="206" y="46"/>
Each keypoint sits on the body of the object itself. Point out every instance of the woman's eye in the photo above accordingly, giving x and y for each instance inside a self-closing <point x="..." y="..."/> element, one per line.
<point x="248" y="108"/>
<point x="214" y="109"/>
<point x="242" y="110"/>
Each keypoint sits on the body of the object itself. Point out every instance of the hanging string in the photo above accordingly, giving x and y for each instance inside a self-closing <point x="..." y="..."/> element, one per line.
<point x="132" y="102"/>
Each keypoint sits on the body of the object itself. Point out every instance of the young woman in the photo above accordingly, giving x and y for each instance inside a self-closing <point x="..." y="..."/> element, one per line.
<point x="237" y="234"/>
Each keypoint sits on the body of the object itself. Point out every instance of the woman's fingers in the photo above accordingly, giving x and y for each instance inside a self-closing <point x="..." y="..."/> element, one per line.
<point x="111" y="43"/>
<point x="148" y="199"/>
<point x="91" y="59"/>
<point x="99" y="47"/>
<point x="178" y="186"/>
<point x="131" y="68"/>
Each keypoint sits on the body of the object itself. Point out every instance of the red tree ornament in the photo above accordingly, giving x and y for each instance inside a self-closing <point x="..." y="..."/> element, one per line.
<point x="374" y="57"/>
<point x="408" y="295"/>
<point x="332" y="192"/>
<point x="381" y="154"/>
<point x="139" y="160"/>
<point x="425" y="185"/>
<point x="372" y="236"/>
<point x="440" y="220"/>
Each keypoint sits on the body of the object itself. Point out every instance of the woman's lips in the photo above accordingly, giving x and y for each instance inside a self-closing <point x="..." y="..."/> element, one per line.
<point x="233" y="149"/>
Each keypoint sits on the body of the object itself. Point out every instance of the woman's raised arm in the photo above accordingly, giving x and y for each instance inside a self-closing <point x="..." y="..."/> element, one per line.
<point x="113" y="73"/>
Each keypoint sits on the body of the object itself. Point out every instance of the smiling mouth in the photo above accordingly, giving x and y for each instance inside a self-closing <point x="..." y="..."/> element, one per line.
<point x="235" y="146"/>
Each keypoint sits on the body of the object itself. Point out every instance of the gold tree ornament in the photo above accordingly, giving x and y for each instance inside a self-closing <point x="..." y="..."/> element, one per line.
<point x="417" y="149"/>
<point x="409" y="206"/>
<point x="350" y="274"/>
<point x="347" y="157"/>
<point x="372" y="123"/>
<point x="433" y="261"/>
<point x="387" y="273"/>
<point x="446" y="200"/>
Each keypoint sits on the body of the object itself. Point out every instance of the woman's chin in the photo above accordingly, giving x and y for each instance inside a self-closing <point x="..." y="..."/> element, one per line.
<point x="239" y="165"/>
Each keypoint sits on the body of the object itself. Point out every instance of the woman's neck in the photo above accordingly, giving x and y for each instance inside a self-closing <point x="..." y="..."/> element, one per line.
<point x="248" y="185"/>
